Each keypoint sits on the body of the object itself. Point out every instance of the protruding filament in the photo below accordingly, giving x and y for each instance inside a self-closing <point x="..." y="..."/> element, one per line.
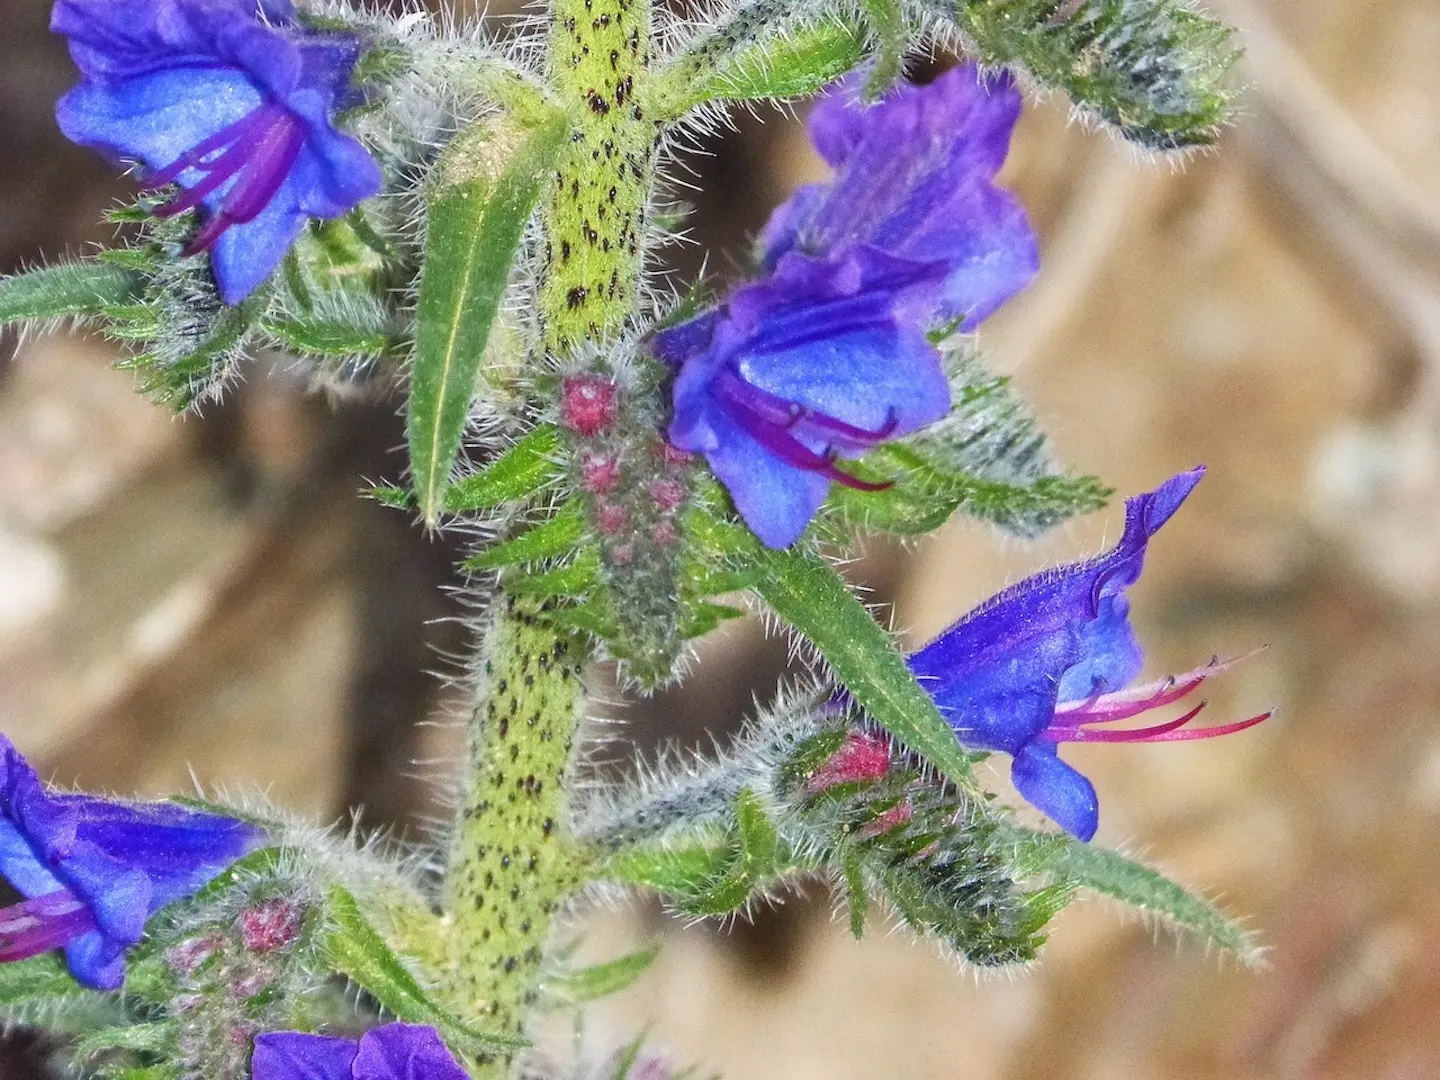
<point x="254" y="155"/>
<point x="44" y="923"/>
<point x="777" y="424"/>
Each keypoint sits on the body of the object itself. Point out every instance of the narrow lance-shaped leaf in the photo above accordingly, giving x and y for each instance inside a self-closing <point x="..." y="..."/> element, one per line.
<point x="1156" y="70"/>
<point x="598" y="981"/>
<point x="793" y="64"/>
<point x="69" y="289"/>
<point x="354" y="948"/>
<point x="1133" y="883"/>
<point x="481" y="196"/>
<point x="807" y="592"/>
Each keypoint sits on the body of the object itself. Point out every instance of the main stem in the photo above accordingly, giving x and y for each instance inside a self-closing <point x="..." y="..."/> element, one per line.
<point x="599" y="63"/>
<point x="511" y="864"/>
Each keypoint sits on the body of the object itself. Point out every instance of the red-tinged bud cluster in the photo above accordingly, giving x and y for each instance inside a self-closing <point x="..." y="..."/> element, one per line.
<point x="588" y="404"/>
<point x="610" y="518"/>
<point x="270" y="924"/>
<point x="599" y="473"/>
<point x="863" y="759"/>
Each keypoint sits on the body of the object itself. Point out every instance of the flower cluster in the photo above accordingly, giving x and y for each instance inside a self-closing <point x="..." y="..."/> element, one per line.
<point x="233" y="101"/>
<point x="827" y="353"/>
<point x="94" y="870"/>
<point x="1048" y="658"/>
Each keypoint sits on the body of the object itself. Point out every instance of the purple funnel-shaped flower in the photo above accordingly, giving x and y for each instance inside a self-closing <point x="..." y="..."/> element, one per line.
<point x="825" y="355"/>
<point x="816" y="362"/>
<point x="232" y="101"/>
<point x="388" y="1052"/>
<point x="1053" y="655"/>
<point x="94" y="870"/>
<point x="914" y="177"/>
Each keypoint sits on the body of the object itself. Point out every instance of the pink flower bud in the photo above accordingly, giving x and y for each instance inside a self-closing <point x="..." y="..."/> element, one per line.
<point x="587" y="404"/>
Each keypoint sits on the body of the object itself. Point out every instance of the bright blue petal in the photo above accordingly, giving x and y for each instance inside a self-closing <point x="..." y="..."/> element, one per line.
<point x="96" y="961"/>
<point x="914" y="177"/>
<point x="291" y="1055"/>
<point x="124" y="861"/>
<point x="156" y="118"/>
<point x="1056" y="790"/>
<point x="775" y="499"/>
<point x="245" y="255"/>
<point x="404" y="1052"/>
<point x="1109" y="656"/>
<point x="1040" y="623"/>
<point x="332" y="174"/>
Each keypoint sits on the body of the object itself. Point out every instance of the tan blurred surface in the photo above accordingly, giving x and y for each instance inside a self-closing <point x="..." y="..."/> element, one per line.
<point x="1272" y="310"/>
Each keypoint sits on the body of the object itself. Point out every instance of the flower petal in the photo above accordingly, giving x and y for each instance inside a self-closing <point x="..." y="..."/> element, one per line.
<point x="1056" y="790"/>
<point x="405" y="1052"/>
<point x="156" y="118"/>
<point x="291" y="1055"/>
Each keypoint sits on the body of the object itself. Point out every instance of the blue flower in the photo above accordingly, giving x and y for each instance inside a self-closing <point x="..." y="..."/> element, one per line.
<point x="826" y="355"/>
<point x="388" y="1052"/>
<point x="914" y="176"/>
<point x="1038" y="664"/>
<point x="94" y="870"/>
<point x="232" y="101"/>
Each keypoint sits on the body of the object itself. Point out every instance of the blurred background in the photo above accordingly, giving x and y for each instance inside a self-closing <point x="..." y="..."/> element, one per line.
<point x="209" y="595"/>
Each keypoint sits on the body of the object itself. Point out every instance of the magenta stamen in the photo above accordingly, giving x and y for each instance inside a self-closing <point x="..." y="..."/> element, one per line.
<point x="1210" y="732"/>
<point x="41" y="924"/>
<point x="1123" y="704"/>
<point x="1145" y="734"/>
<point x="256" y="152"/>
<point x="194" y="158"/>
<point x="793" y="452"/>
<point x="772" y="422"/>
<point x="791" y="415"/>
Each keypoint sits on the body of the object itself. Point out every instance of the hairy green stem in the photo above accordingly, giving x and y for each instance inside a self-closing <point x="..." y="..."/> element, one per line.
<point x="599" y="60"/>
<point x="512" y="862"/>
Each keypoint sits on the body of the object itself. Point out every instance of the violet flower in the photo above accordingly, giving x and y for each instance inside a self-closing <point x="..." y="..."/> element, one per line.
<point x="232" y="101"/>
<point x="389" y="1052"/>
<point x="826" y="354"/>
<point x="1054" y="655"/>
<point x="94" y="870"/>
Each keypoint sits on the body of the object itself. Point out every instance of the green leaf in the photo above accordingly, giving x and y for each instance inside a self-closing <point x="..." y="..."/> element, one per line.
<point x="756" y="860"/>
<point x="153" y="1038"/>
<point x="484" y="189"/>
<point x="1157" y="70"/>
<point x="987" y="458"/>
<point x="572" y="581"/>
<point x="805" y="591"/>
<point x="601" y="980"/>
<point x="922" y="497"/>
<point x="355" y="949"/>
<point x="38" y="976"/>
<point x="887" y="24"/>
<point x="791" y="64"/>
<point x="341" y="338"/>
<point x="69" y="289"/>
<point x="680" y="870"/>
<point x="857" y="899"/>
<point x="1108" y="872"/>
<point x="519" y="472"/>
<point x="550" y="539"/>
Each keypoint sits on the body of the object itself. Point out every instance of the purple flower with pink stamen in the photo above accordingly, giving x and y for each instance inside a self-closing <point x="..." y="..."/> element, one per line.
<point x="1053" y="656"/>
<point x="826" y="354"/>
<point x="232" y="101"/>
<point x="94" y="870"/>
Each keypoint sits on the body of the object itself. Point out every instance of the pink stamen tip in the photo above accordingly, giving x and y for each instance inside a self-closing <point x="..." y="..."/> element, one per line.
<point x="1212" y="732"/>
<point x="1145" y="734"/>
